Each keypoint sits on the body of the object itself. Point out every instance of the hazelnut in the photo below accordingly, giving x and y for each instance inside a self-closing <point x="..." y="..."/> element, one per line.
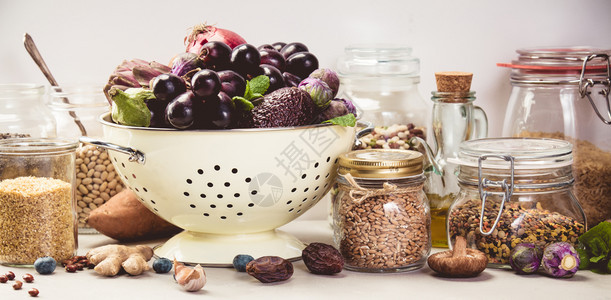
<point x="33" y="292"/>
<point x="28" y="277"/>
<point x="3" y="278"/>
<point x="10" y="275"/>
<point x="17" y="285"/>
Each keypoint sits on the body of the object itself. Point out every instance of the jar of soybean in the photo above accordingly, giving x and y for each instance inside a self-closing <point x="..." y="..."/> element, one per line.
<point x="77" y="109"/>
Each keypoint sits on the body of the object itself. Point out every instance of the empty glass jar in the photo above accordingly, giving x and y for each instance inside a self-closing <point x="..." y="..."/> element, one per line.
<point x="23" y="112"/>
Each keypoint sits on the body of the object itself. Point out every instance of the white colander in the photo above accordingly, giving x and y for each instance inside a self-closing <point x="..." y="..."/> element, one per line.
<point x="229" y="189"/>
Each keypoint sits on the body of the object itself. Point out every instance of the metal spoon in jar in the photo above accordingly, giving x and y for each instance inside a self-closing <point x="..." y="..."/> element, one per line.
<point x="30" y="46"/>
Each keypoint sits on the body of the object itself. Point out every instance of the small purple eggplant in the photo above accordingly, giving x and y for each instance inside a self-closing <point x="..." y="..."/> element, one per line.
<point x="560" y="260"/>
<point x="525" y="258"/>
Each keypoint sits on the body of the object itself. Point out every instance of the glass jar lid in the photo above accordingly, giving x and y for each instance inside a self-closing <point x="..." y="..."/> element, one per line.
<point x="556" y="65"/>
<point x="37" y="146"/>
<point x="378" y="60"/>
<point x="381" y="163"/>
<point x="527" y="153"/>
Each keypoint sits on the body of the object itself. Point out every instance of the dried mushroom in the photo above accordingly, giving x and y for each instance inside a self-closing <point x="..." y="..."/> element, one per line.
<point x="458" y="262"/>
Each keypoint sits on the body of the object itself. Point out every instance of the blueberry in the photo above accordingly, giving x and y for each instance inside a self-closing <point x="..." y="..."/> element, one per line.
<point x="162" y="265"/>
<point x="240" y="261"/>
<point x="45" y="265"/>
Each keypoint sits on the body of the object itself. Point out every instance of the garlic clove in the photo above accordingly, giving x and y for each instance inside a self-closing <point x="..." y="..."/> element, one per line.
<point x="190" y="279"/>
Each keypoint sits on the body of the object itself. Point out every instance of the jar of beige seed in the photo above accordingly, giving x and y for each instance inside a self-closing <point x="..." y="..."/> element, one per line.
<point x="381" y="216"/>
<point x="77" y="109"/>
<point x="37" y="207"/>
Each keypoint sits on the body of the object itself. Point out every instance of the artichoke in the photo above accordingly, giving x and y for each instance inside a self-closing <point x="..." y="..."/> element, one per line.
<point x="320" y="92"/>
<point x="329" y="77"/>
<point x="560" y="260"/>
<point x="525" y="258"/>
<point x="134" y="73"/>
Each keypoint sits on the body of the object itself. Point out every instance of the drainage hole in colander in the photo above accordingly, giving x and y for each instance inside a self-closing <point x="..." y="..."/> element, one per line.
<point x="200" y="171"/>
<point x="314" y="198"/>
<point x="212" y="206"/>
<point x="251" y="204"/>
<point x="220" y="196"/>
<point x="189" y="181"/>
<point x="123" y="165"/>
<point x="254" y="192"/>
<point x="290" y="210"/>
<point x="153" y="202"/>
<point x="125" y="176"/>
<point x="317" y="177"/>
<point x="206" y="214"/>
<point x="303" y="176"/>
<point x="186" y="194"/>
<point x="234" y="171"/>
<point x="293" y="190"/>
<point x="155" y="209"/>
<point x="304" y="200"/>
<point x="289" y="202"/>
<point x="202" y="195"/>
<point x="134" y="175"/>
<point x="328" y="158"/>
<point x="223" y="217"/>
<point x="144" y="189"/>
<point x="299" y="211"/>
<point x="192" y="205"/>
<point x="336" y="160"/>
<point x="210" y="184"/>
<point x="327" y="176"/>
<point x="306" y="189"/>
<point x="316" y="188"/>
<point x="239" y="214"/>
<point x="227" y="184"/>
<point x="229" y="205"/>
<point x="137" y="190"/>
<point x="217" y="168"/>
<point x="236" y="195"/>
<point x="316" y="165"/>
<point x="247" y="179"/>
<point x="326" y="185"/>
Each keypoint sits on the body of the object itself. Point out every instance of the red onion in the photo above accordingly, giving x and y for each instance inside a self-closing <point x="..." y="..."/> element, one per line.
<point x="203" y="33"/>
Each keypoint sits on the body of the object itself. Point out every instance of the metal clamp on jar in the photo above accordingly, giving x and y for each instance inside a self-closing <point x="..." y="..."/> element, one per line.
<point x="512" y="191"/>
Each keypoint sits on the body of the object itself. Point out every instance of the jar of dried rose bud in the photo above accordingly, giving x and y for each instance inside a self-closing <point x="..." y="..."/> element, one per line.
<point x="381" y="217"/>
<point x="512" y="191"/>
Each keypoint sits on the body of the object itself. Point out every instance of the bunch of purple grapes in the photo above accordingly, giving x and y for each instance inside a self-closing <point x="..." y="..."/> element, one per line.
<point x="202" y="99"/>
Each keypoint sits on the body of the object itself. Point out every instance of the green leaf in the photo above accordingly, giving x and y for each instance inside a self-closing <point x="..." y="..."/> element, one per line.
<point x="129" y="107"/>
<point x="242" y="104"/>
<point x="256" y="87"/>
<point x="597" y="245"/>
<point x="259" y="84"/>
<point x="348" y="120"/>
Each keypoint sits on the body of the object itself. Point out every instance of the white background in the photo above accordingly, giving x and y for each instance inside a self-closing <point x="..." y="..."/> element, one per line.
<point x="83" y="41"/>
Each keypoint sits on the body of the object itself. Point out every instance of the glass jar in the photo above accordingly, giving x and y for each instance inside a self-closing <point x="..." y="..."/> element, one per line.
<point x="24" y="113"/>
<point x="77" y="109"/>
<point x="37" y="215"/>
<point x="514" y="190"/>
<point x="381" y="214"/>
<point x="382" y="82"/>
<point x="564" y="94"/>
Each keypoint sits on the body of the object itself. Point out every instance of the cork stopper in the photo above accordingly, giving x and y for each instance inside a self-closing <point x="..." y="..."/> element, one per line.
<point x="453" y="81"/>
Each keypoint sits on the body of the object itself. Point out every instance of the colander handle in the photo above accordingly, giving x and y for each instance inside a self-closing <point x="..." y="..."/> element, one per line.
<point x="134" y="155"/>
<point x="367" y="129"/>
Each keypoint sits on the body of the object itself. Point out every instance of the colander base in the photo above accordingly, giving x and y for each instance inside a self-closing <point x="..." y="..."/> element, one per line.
<point x="216" y="250"/>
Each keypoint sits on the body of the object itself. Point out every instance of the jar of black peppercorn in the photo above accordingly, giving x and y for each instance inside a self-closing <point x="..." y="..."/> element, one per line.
<point x="381" y="216"/>
<point x="512" y="191"/>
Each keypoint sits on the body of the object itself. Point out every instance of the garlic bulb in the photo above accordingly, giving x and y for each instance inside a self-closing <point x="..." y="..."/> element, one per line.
<point x="190" y="279"/>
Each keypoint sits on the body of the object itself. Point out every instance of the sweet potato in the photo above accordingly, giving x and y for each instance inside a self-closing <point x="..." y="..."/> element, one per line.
<point x="124" y="218"/>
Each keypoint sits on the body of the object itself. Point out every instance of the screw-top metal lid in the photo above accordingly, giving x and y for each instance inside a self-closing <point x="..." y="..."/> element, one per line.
<point x="381" y="163"/>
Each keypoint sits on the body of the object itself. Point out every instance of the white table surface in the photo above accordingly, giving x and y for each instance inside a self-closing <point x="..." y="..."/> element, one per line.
<point x="226" y="283"/>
